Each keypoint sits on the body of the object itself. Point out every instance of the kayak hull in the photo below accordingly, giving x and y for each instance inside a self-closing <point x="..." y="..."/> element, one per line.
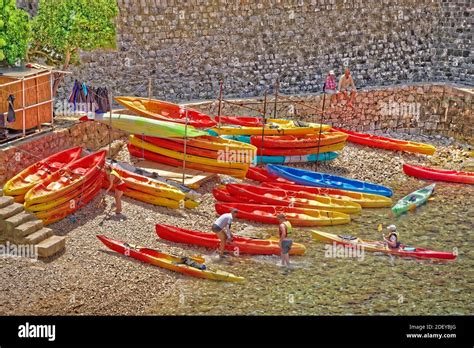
<point x="322" y="157"/>
<point x="240" y="245"/>
<point x="167" y="261"/>
<point x="22" y="182"/>
<point x="439" y="174"/>
<point x="310" y="178"/>
<point x="297" y="216"/>
<point x="413" y="200"/>
<point x="375" y="246"/>
<point x="387" y="143"/>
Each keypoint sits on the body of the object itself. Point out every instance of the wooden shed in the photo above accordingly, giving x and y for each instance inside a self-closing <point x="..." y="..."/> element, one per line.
<point x="33" y="102"/>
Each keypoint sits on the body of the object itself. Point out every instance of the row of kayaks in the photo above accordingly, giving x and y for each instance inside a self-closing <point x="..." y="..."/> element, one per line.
<point x="60" y="184"/>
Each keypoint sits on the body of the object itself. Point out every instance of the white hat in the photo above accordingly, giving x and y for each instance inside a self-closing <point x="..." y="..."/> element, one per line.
<point x="331" y="72"/>
<point x="392" y="228"/>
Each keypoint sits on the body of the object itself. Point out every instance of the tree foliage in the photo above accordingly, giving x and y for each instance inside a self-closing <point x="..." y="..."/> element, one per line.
<point x="14" y="32"/>
<point x="64" y="27"/>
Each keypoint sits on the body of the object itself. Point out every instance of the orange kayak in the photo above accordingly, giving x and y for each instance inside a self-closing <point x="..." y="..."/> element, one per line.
<point x="179" y="146"/>
<point x="298" y="141"/>
<point x="34" y="174"/>
<point x="165" y="111"/>
<point x="66" y="179"/>
<point x="387" y="143"/>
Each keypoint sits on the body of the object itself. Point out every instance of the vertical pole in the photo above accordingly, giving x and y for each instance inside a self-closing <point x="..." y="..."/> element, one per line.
<point x="149" y="88"/>
<point x="23" y="105"/>
<point x="277" y="87"/>
<point x="185" y="144"/>
<point x="219" y="110"/>
<point x="321" y="124"/>
<point x="264" y="121"/>
<point x="52" y="98"/>
<point x="110" y="124"/>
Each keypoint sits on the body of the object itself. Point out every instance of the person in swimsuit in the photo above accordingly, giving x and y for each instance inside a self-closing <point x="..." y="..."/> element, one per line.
<point x="347" y="88"/>
<point x="392" y="239"/>
<point x="284" y="230"/>
<point x="117" y="183"/>
<point x="221" y="227"/>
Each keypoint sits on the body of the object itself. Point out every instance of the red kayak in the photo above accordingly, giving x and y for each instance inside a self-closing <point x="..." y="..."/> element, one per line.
<point x="243" y="245"/>
<point x="387" y="143"/>
<point x="241" y="121"/>
<point x="438" y="174"/>
<point x="298" y="141"/>
<point x="279" y="197"/>
<point x="222" y="195"/>
<point x="267" y="214"/>
<point x="262" y="175"/>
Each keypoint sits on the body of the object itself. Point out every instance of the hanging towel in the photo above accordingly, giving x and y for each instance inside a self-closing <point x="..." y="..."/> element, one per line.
<point x="11" y="109"/>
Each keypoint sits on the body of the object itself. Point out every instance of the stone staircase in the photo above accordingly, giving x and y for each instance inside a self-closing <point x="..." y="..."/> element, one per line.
<point x="18" y="226"/>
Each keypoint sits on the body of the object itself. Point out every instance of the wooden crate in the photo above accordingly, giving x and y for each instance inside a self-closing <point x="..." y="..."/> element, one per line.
<point x="33" y="99"/>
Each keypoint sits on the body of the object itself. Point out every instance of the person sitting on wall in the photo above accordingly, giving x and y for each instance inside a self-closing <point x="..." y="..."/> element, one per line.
<point x="330" y="86"/>
<point x="347" y="88"/>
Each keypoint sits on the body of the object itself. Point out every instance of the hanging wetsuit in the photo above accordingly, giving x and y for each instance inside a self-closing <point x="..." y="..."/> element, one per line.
<point x="11" y="109"/>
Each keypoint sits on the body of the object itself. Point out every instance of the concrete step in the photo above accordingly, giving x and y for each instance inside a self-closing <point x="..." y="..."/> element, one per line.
<point x="36" y="237"/>
<point x="51" y="246"/>
<point x="18" y="219"/>
<point x="10" y="210"/>
<point x="6" y="201"/>
<point x="26" y="228"/>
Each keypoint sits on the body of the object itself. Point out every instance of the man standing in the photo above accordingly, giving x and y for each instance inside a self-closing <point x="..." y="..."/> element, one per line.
<point x="346" y="85"/>
<point x="224" y="222"/>
<point x="285" y="229"/>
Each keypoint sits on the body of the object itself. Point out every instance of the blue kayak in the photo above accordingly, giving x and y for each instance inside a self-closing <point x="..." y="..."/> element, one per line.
<point x="327" y="156"/>
<point x="241" y="138"/>
<point x="309" y="178"/>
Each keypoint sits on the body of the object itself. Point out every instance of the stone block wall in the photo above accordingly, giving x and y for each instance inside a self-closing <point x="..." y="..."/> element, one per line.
<point x="187" y="47"/>
<point x="16" y="157"/>
<point x="421" y="108"/>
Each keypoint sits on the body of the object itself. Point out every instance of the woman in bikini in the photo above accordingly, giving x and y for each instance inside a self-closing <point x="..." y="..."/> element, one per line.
<point x="119" y="186"/>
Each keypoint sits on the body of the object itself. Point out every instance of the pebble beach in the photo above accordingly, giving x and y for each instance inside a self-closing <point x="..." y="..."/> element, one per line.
<point x="89" y="279"/>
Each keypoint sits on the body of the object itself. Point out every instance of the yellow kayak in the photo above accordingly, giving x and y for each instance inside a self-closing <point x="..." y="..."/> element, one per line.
<point x="157" y="200"/>
<point x="219" y="162"/>
<point x="274" y="127"/>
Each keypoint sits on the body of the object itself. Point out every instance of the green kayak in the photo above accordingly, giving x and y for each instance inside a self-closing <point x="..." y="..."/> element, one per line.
<point x="146" y="126"/>
<point x="413" y="200"/>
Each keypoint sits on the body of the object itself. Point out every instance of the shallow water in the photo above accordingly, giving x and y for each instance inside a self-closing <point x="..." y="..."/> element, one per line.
<point x="376" y="284"/>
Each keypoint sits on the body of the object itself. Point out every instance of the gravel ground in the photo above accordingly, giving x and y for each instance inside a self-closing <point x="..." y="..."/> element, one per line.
<point x="88" y="279"/>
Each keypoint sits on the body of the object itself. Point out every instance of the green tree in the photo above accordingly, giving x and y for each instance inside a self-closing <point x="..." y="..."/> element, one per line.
<point x="64" y="27"/>
<point x="14" y="32"/>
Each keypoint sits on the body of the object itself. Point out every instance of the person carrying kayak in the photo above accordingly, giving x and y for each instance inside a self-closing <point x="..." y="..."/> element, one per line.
<point x="119" y="186"/>
<point x="224" y="222"/>
<point x="284" y="230"/>
<point x="392" y="239"/>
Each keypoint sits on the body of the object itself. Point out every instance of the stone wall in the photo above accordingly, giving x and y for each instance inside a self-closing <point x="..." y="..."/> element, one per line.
<point x="89" y="135"/>
<point x="186" y="47"/>
<point x="422" y="108"/>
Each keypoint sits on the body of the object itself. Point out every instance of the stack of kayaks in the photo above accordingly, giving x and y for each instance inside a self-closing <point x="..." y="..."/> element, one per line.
<point x="438" y="174"/>
<point x="21" y="183"/>
<point x="262" y="175"/>
<point x="378" y="246"/>
<point x="165" y="111"/>
<point x="296" y="148"/>
<point x="310" y="178"/>
<point x="297" y="216"/>
<point x="210" y="154"/>
<point x="366" y="200"/>
<point x="413" y="200"/>
<point x="192" y="266"/>
<point x="280" y="197"/>
<point x="242" y="245"/>
<point x="68" y="189"/>
<point x="152" y="191"/>
<point x="387" y="143"/>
